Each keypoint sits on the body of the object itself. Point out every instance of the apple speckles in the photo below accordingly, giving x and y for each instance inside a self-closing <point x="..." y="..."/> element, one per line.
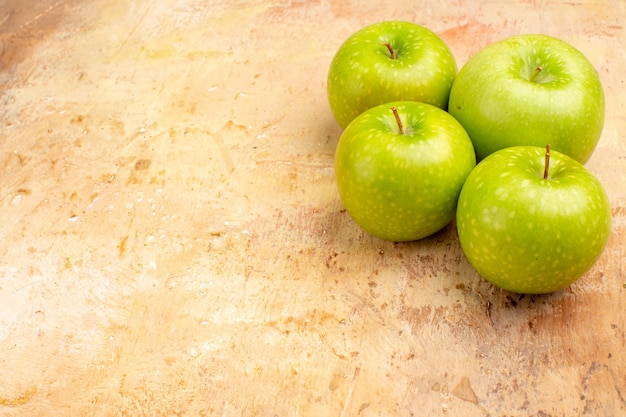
<point x="502" y="194"/>
<point x="362" y="74"/>
<point x="565" y="107"/>
<point x="404" y="180"/>
<point x="532" y="245"/>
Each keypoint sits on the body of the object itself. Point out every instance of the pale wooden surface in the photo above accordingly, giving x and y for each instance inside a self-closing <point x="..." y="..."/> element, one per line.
<point x="172" y="242"/>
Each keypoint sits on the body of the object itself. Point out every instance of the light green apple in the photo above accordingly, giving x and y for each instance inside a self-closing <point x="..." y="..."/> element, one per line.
<point x="530" y="90"/>
<point x="400" y="167"/>
<point x="389" y="61"/>
<point x="528" y="229"/>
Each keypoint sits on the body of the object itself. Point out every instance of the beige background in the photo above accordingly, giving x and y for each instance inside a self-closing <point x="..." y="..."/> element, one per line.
<point x="172" y="242"/>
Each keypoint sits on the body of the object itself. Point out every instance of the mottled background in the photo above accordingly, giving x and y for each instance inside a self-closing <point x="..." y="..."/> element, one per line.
<point x="172" y="242"/>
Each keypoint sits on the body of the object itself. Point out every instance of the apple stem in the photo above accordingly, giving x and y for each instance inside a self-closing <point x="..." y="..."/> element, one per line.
<point x="392" y="52"/>
<point x="398" y="121"/>
<point x="546" y="165"/>
<point x="535" y="73"/>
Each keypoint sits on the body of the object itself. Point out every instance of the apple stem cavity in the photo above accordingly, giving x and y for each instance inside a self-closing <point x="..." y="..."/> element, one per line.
<point x="392" y="51"/>
<point x="398" y="121"/>
<point x="535" y="73"/>
<point x="546" y="165"/>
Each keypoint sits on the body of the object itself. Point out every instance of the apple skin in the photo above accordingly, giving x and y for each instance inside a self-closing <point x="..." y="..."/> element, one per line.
<point x="527" y="234"/>
<point x="403" y="187"/>
<point x="362" y="73"/>
<point x="500" y="104"/>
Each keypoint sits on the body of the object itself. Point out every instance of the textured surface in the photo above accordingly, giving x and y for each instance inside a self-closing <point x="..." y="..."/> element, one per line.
<point x="172" y="241"/>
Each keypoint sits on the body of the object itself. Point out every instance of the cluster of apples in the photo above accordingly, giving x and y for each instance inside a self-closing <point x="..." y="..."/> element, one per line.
<point x="500" y="145"/>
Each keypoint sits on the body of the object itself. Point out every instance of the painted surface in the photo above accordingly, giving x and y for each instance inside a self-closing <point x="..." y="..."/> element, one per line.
<point x="172" y="241"/>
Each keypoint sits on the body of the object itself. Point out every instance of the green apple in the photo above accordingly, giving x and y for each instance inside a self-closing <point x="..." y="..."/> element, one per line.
<point x="389" y="61"/>
<point x="530" y="90"/>
<point x="531" y="221"/>
<point x="400" y="167"/>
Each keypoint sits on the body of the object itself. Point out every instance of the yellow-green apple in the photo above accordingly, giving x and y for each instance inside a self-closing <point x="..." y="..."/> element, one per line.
<point x="389" y="61"/>
<point x="530" y="90"/>
<point x="531" y="220"/>
<point x="400" y="167"/>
